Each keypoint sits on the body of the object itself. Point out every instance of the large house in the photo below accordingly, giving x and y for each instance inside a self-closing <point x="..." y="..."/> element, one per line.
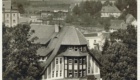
<point x="108" y="11"/>
<point x="96" y="39"/>
<point x="117" y="24"/>
<point x="64" y="54"/>
<point x="10" y="15"/>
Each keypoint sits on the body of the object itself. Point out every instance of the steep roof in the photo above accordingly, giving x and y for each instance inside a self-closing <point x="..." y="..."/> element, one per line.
<point x="43" y="32"/>
<point x="118" y="24"/>
<point x="129" y="18"/>
<point x="73" y="37"/>
<point x="110" y="9"/>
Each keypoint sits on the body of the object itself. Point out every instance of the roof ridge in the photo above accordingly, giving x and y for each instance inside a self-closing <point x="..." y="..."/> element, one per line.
<point x="76" y="34"/>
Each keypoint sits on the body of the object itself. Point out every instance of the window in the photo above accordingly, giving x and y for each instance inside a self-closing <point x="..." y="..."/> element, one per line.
<point x="14" y="15"/>
<point x="84" y="61"/>
<point x="75" y="73"/>
<point x="60" y="60"/>
<point x="7" y="15"/>
<point x="80" y="73"/>
<point x="88" y="69"/>
<point x="56" y="73"/>
<point x="75" y="61"/>
<point x="53" y="74"/>
<point x="7" y="21"/>
<point x="76" y="48"/>
<point x="14" y="21"/>
<point x="70" y="61"/>
<point x="70" y="73"/>
<point x="56" y="60"/>
<point x="65" y="60"/>
<point x="60" y="73"/>
<point x="94" y="41"/>
<point x="80" y="61"/>
<point x="84" y="72"/>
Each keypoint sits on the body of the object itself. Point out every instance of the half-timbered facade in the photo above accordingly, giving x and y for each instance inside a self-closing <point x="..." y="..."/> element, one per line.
<point x="66" y="56"/>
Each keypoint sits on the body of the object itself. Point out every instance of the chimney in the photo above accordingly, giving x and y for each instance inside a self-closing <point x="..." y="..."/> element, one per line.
<point x="56" y="28"/>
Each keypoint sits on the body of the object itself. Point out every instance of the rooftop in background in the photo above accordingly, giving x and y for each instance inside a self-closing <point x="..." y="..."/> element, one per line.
<point x="118" y="24"/>
<point x="110" y="9"/>
<point x="42" y="32"/>
<point x="91" y="35"/>
<point x="129" y="18"/>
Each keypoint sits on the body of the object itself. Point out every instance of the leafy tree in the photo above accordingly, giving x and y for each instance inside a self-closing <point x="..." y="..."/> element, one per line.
<point x="20" y="61"/>
<point x="119" y="60"/>
<point x="129" y="5"/>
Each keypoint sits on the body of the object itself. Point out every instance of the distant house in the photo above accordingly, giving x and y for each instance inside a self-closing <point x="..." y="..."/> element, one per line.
<point x="111" y="1"/>
<point x="10" y="15"/>
<point x="96" y="40"/>
<point x="130" y="20"/>
<point x="117" y="24"/>
<point x="6" y="4"/>
<point x="108" y="11"/>
<point x="64" y="54"/>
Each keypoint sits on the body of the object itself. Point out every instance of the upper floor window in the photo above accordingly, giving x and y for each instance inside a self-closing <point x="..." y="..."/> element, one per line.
<point x="7" y="15"/>
<point x="14" y="15"/>
<point x="60" y="60"/>
<point x="94" y="41"/>
<point x="7" y="21"/>
<point x="56" y="60"/>
<point x="70" y="61"/>
<point x="14" y="21"/>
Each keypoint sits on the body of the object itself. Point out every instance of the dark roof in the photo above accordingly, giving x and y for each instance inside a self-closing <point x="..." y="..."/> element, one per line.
<point x="91" y="35"/>
<point x="118" y="24"/>
<point x="73" y="53"/>
<point x="73" y="37"/>
<point x="110" y="9"/>
<point x="43" y="51"/>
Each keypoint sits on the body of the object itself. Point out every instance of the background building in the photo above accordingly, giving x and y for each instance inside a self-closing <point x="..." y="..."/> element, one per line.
<point x="10" y="16"/>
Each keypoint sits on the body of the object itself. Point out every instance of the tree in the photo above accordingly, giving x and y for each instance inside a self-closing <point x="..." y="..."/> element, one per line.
<point x="119" y="60"/>
<point x="20" y="61"/>
<point x="129" y="5"/>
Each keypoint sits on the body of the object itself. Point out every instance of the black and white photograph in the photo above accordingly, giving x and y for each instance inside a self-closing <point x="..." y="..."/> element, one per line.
<point x="69" y="39"/>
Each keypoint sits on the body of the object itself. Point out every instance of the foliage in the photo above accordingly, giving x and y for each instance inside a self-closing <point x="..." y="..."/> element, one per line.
<point x="119" y="59"/>
<point x="20" y="61"/>
<point x="129" y="5"/>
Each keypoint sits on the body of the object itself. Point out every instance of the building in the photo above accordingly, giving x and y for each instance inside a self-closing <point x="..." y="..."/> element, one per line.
<point x="6" y="4"/>
<point x="96" y="40"/>
<point x="111" y="1"/>
<point x="130" y="20"/>
<point x="117" y="24"/>
<point x="108" y="11"/>
<point x="10" y="15"/>
<point x="64" y="54"/>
